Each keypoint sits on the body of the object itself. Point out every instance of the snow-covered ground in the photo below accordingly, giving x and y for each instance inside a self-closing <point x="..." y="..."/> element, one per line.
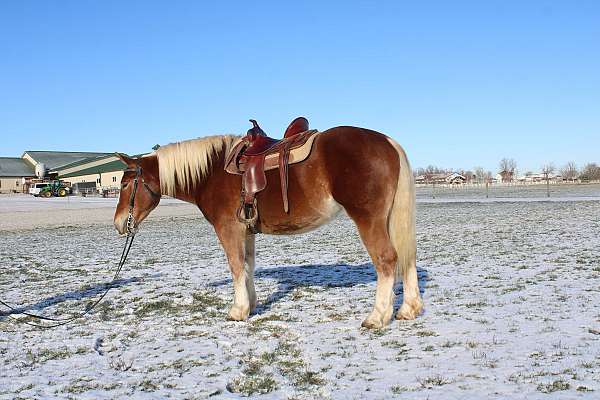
<point x="511" y="289"/>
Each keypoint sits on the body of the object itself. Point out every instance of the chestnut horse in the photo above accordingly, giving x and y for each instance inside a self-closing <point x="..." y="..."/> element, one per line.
<point x="361" y="171"/>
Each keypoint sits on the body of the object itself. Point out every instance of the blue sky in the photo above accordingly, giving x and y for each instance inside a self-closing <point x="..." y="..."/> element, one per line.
<point x="458" y="84"/>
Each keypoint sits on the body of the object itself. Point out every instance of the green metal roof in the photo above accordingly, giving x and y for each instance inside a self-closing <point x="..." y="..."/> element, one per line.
<point x="112" y="166"/>
<point x="15" y="167"/>
<point x="80" y="162"/>
<point x="55" y="159"/>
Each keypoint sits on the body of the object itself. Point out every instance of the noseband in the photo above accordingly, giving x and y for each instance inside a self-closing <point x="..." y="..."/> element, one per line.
<point x="131" y="225"/>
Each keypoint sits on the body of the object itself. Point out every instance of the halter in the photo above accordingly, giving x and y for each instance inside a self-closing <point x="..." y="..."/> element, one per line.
<point x="131" y="225"/>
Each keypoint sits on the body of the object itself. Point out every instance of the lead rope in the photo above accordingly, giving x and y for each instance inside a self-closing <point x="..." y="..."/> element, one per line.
<point x="64" y="321"/>
<point x="131" y="231"/>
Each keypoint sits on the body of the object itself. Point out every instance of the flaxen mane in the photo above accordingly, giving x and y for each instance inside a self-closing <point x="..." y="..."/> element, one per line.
<point x="187" y="163"/>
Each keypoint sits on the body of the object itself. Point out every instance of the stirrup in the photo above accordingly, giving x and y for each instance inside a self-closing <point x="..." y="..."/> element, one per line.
<point x="248" y="214"/>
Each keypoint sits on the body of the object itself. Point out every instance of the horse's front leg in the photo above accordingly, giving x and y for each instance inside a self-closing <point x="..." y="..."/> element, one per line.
<point x="249" y="266"/>
<point x="239" y="249"/>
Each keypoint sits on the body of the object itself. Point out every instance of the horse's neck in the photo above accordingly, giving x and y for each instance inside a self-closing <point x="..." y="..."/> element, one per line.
<point x="213" y="176"/>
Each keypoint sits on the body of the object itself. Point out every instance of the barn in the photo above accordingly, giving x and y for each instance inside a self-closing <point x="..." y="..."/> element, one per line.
<point x="106" y="171"/>
<point x="14" y="171"/>
<point x="103" y="169"/>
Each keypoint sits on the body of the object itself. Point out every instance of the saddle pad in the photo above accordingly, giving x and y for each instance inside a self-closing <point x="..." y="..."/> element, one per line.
<point x="296" y="155"/>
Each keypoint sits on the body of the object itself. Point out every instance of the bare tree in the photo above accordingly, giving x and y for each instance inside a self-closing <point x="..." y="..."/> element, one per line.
<point x="468" y="174"/>
<point x="508" y="164"/>
<point x="547" y="170"/>
<point x="590" y="172"/>
<point x="432" y="169"/>
<point x="479" y="174"/>
<point x="569" y="171"/>
<point x="507" y="169"/>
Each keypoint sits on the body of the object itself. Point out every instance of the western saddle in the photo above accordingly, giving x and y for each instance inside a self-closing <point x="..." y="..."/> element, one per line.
<point x="256" y="153"/>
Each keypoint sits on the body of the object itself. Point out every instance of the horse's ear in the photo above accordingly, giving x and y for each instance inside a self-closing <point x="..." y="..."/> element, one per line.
<point x="125" y="158"/>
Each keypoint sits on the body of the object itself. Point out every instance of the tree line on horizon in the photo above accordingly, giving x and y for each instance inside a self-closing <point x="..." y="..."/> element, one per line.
<point x="507" y="169"/>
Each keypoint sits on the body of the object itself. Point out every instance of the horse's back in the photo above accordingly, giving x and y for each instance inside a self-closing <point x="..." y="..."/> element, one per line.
<point x="348" y="167"/>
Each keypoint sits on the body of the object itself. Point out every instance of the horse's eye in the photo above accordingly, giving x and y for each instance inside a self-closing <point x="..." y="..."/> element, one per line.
<point x="124" y="185"/>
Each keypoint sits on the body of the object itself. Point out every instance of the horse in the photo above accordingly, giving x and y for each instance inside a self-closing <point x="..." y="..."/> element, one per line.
<point x="361" y="171"/>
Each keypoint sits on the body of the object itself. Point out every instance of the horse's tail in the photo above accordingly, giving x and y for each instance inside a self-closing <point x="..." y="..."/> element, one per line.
<point x="401" y="220"/>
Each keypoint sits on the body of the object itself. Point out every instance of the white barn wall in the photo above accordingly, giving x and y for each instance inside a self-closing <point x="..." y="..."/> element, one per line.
<point x="11" y="184"/>
<point x="107" y="181"/>
<point x="83" y="178"/>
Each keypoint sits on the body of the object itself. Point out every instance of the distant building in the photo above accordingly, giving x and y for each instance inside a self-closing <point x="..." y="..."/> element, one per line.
<point x="55" y="159"/>
<point x="530" y="177"/>
<point x="442" y="178"/>
<point x="456" y="179"/>
<point x="505" y="176"/>
<point x="104" y="169"/>
<point x="14" y="172"/>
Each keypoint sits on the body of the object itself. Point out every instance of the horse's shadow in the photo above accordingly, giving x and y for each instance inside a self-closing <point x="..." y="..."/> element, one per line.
<point x="326" y="276"/>
<point x="72" y="295"/>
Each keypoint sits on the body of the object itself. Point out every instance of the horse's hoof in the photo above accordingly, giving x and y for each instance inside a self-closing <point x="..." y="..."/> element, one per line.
<point x="371" y="324"/>
<point x="408" y="312"/>
<point x="238" y="314"/>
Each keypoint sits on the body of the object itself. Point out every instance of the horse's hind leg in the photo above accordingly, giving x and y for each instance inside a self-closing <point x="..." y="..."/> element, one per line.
<point x="374" y="234"/>
<point x="412" y="304"/>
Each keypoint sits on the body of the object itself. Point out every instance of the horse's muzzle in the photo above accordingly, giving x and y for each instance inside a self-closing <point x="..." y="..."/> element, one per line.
<point x="120" y="223"/>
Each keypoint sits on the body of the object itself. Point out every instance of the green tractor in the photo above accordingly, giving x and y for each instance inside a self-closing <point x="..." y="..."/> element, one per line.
<point x="55" y="188"/>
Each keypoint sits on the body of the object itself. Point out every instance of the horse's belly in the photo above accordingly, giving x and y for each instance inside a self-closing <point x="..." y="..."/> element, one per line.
<point x="301" y="222"/>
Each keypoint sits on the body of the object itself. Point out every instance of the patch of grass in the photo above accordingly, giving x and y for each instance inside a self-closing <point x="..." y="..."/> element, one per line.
<point x="151" y="261"/>
<point x="290" y="366"/>
<point x="478" y="304"/>
<point x="268" y="357"/>
<point x="308" y="378"/>
<point x="119" y="364"/>
<point x="512" y="289"/>
<point x="397" y="389"/>
<point x="288" y="348"/>
<point x="23" y="388"/>
<point x="192" y="333"/>
<point x="206" y="299"/>
<point x="426" y="333"/>
<point x="80" y="386"/>
<point x="261" y="324"/>
<point x="431" y="381"/>
<point x="47" y="354"/>
<point x="555" y="386"/>
<point x="448" y="344"/>
<point x="337" y="317"/>
<point x="255" y="384"/>
<point x="394" y="344"/>
<point x="160" y="306"/>
<point x="105" y="310"/>
<point x="148" y="386"/>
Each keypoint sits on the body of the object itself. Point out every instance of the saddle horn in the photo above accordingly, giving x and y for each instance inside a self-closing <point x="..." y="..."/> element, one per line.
<point x="255" y="130"/>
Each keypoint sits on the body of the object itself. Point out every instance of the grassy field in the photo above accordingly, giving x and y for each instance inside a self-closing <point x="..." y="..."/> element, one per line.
<point x="511" y="291"/>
